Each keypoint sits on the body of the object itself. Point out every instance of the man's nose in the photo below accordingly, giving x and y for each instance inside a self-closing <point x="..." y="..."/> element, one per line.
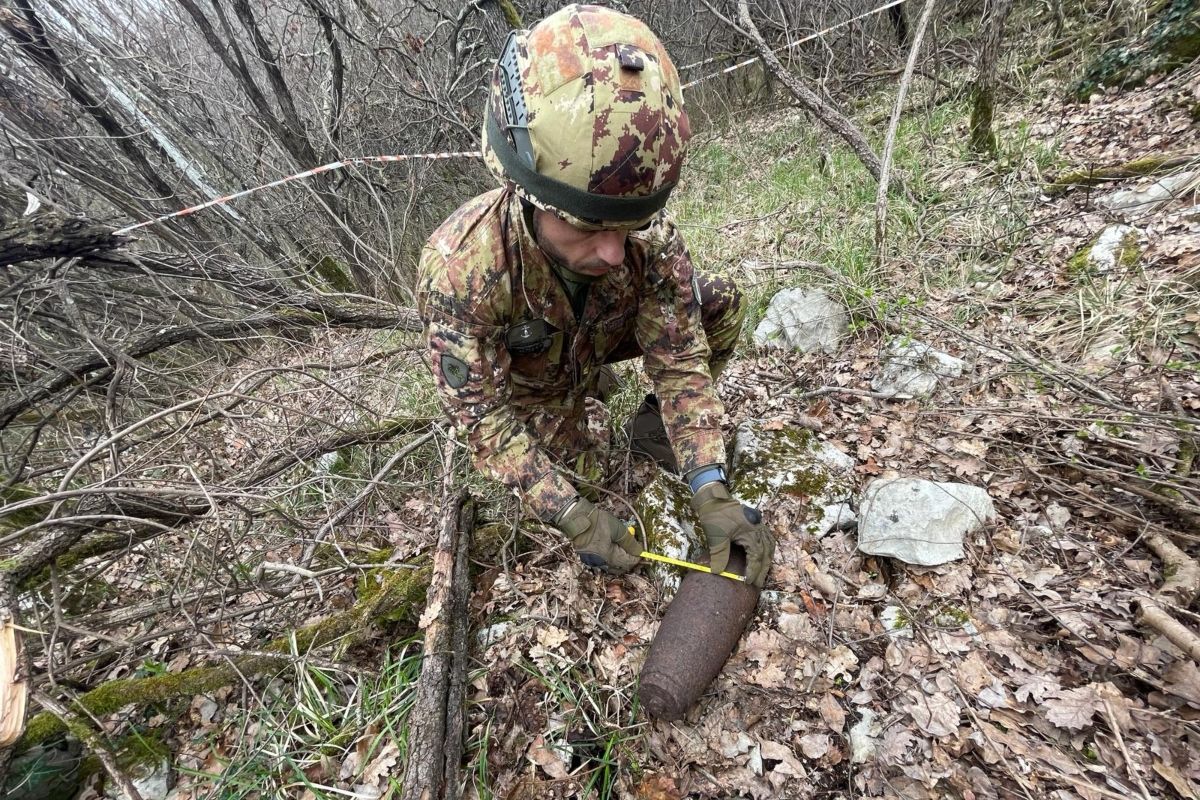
<point x="610" y="247"/>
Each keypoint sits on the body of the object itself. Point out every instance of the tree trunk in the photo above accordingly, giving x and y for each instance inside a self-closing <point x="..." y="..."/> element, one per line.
<point x="823" y="111"/>
<point x="983" y="102"/>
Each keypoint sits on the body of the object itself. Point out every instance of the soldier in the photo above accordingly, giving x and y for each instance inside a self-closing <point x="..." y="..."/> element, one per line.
<point x="527" y="291"/>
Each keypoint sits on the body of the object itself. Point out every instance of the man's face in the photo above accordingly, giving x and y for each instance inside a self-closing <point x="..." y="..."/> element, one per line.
<point x="586" y="252"/>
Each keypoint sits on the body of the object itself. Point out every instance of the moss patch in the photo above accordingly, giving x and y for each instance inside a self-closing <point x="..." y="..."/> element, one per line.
<point x="334" y="274"/>
<point x="782" y="461"/>
<point x="1126" y="254"/>
<point x="664" y="507"/>
<point x="26" y="516"/>
<point x="1171" y="42"/>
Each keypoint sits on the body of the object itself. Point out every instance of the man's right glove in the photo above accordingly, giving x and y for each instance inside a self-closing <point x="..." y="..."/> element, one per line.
<point x="602" y="540"/>
<point x="724" y="520"/>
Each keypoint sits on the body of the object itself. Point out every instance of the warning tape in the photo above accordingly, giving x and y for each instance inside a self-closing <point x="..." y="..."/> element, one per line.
<point x="298" y="176"/>
<point x="796" y="43"/>
<point x="467" y="154"/>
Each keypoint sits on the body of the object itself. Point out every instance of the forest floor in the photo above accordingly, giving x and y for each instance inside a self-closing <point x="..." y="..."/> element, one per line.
<point x="1023" y="671"/>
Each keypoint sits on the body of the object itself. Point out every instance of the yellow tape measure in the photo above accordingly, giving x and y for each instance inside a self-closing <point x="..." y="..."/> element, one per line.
<point x="686" y="564"/>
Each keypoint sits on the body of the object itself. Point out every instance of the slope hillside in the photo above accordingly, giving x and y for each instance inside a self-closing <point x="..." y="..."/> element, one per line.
<point x="1058" y="658"/>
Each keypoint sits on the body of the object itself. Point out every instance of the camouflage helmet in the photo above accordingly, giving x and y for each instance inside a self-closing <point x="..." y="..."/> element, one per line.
<point x="585" y="118"/>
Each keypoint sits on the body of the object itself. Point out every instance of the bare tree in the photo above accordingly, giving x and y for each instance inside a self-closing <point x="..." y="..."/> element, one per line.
<point x="983" y="95"/>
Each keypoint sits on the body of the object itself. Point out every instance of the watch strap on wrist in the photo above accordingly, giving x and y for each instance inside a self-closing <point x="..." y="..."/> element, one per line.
<point x="707" y="474"/>
<point x="562" y="512"/>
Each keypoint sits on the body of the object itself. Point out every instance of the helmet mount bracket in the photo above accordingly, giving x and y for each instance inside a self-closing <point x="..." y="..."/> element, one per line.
<point x="515" y="111"/>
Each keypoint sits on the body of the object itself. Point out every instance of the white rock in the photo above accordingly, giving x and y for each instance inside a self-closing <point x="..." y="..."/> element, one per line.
<point x="486" y="637"/>
<point x="918" y="521"/>
<point x="665" y="506"/>
<point x="897" y="622"/>
<point x="803" y="319"/>
<point x="1142" y="201"/>
<point x="1111" y="247"/>
<point x="152" y="781"/>
<point x="914" y="369"/>
<point x="834" y="516"/>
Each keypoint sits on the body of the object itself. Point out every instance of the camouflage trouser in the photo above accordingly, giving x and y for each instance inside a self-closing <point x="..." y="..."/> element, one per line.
<point x="575" y="431"/>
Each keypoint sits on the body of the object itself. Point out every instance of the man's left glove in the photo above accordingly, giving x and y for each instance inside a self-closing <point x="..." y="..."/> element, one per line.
<point x="724" y="520"/>
<point x="602" y="540"/>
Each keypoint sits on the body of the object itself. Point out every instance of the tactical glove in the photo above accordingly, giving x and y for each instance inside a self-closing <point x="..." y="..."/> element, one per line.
<point x="602" y="540"/>
<point x="724" y="520"/>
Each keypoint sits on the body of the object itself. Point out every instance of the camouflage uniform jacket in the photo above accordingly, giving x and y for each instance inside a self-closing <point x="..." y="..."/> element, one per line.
<point x="483" y="278"/>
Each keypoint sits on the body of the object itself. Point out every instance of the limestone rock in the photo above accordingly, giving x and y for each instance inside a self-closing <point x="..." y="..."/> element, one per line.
<point x="918" y="521"/>
<point x="152" y="781"/>
<point x="1116" y="246"/>
<point x="1143" y="201"/>
<point x="803" y="319"/>
<point x="664" y="507"/>
<point x="792" y="460"/>
<point x="914" y="369"/>
<point x="1115" y="249"/>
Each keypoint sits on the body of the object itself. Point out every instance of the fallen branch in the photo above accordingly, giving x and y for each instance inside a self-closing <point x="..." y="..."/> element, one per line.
<point x="50" y="234"/>
<point x="1181" y="585"/>
<point x="400" y="594"/>
<point x="1137" y="168"/>
<point x="435" y="727"/>
<point x="305" y="312"/>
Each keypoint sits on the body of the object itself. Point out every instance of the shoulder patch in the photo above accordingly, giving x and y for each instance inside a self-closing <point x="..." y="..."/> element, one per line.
<point x="454" y="370"/>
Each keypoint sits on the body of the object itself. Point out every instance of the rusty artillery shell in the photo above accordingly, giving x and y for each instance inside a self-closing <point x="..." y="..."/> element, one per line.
<point x="696" y="637"/>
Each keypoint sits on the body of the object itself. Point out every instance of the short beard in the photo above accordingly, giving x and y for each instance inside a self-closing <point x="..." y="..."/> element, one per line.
<point x="557" y="257"/>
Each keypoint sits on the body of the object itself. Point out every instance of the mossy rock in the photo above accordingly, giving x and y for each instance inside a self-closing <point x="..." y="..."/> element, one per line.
<point x="664" y="508"/>
<point x="792" y="461"/>
<point x="1114" y="249"/>
<point x="52" y="772"/>
<point x="1172" y="41"/>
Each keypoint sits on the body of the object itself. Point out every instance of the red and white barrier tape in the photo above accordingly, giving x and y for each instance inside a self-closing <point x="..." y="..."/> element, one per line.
<point x="298" y="176"/>
<point x="796" y="43"/>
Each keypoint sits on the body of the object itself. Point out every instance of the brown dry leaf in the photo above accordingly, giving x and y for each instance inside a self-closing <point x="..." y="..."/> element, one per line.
<point x="893" y="746"/>
<point x="788" y="763"/>
<point x="547" y="758"/>
<point x="833" y="713"/>
<point x="769" y="677"/>
<point x="814" y="745"/>
<point x="1073" y="709"/>
<point x="841" y="661"/>
<point x="551" y="637"/>
<point x="1036" y="687"/>
<point x="1183" y="679"/>
<point x="795" y="626"/>
<point x="1178" y="781"/>
<point x="763" y="646"/>
<point x="381" y="765"/>
<point x="657" y="787"/>
<point x="935" y="714"/>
